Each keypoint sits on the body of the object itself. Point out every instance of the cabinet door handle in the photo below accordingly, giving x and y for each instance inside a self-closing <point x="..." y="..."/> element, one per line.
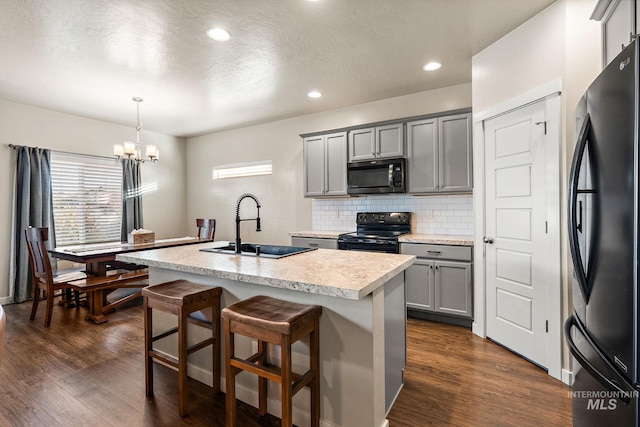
<point x="488" y="240"/>
<point x="434" y="252"/>
<point x="313" y="245"/>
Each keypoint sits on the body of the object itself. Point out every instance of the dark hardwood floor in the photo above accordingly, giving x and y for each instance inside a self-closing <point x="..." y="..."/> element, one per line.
<point x="76" y="373"/>
<point x="455" y="378"/>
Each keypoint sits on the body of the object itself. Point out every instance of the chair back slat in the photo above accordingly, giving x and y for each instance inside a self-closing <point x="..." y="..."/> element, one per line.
<point x="40" y="261"/>
<point x="206" y="228"/>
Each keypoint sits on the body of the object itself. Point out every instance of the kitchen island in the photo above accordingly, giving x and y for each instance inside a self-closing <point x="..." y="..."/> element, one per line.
<point x="362" y="328"/>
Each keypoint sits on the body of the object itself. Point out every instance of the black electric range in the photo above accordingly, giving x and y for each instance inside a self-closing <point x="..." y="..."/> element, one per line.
<point x="377" y="231"/>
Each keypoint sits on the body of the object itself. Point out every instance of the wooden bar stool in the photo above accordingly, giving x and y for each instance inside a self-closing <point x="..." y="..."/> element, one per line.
<point x="182" y="298"/>
<point x="277" y="322"/>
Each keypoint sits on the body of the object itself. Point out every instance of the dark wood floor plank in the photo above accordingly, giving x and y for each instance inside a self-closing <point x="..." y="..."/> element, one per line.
<point x="80" y="373"/>
<point x="455" y="378"/>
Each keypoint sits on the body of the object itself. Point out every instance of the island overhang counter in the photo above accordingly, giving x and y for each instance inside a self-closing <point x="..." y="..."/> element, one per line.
<point x="362" y="328"/>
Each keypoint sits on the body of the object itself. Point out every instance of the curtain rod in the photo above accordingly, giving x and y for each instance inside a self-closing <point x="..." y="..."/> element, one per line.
<point x="64" y="152"/>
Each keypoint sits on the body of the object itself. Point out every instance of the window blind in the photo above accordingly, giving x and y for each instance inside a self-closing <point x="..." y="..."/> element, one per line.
<point x="87" y="199"/>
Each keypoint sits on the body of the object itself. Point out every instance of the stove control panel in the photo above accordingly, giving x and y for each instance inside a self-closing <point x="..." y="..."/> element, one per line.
<point x="391" y="218"/>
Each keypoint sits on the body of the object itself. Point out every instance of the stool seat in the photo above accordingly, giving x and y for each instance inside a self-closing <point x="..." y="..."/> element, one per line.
<point x="277" y="322"/>
<point x="183" y="299"/>
<point x="181" y="292"/>
<point x="272" y="314"/>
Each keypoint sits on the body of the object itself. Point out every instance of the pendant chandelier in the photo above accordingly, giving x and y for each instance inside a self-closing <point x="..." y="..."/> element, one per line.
<point x="132" y="150"/>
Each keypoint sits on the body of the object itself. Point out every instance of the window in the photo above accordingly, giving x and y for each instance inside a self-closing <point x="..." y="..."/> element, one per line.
<point x="87" y="199"/>
<point x="239" y="170"/>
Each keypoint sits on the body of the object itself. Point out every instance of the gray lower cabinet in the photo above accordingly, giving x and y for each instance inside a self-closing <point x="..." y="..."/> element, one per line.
<point x="314" y="242"/>
<point x="419" y="280"/>
<point x="376" y="142"/>
<point x="325" y="165"/>
<point x="440" y="281"/>
<point x="439" y="153"/>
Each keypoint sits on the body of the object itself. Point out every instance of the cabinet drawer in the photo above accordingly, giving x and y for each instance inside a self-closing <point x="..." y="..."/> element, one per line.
<point x="422" y="250"/>
<point x="314" y="242"/>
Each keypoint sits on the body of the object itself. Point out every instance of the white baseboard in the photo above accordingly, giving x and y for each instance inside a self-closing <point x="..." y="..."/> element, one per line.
<point x="567" y="377"/>
<point x="6" y="300"/>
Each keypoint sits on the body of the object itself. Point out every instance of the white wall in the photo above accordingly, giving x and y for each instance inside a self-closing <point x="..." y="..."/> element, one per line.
<point x="560" y="43"/>
<point x="284" y="209"/>
<point x="163" y="209"/>
<point x="528" y="57"/>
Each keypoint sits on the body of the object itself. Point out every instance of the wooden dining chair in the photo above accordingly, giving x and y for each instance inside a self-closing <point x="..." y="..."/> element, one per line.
<point x="206" y="228"/>
<point x="44" y="278"/>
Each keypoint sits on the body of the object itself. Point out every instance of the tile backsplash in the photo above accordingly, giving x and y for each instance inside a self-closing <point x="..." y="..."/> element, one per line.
<point x="450" y="214"/>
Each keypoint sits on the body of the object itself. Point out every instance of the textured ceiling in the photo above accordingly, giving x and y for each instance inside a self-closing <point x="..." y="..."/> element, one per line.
<point x="89" y="57"/>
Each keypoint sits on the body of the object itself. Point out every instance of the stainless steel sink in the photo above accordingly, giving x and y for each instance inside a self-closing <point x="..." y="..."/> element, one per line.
<point x="255" y="249"/>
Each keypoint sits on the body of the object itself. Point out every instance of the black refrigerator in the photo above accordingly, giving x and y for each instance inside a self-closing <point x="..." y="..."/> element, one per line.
<point x="603" y="331"/>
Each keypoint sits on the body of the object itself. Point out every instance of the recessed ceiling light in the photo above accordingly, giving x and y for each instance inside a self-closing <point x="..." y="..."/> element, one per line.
<point x="219" y="34"/>
<point x="432" y="66"/>
<point x="314" y="94"/>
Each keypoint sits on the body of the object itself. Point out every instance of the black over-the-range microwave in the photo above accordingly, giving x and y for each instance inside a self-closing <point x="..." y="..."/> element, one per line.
<point x="376" y="176"/>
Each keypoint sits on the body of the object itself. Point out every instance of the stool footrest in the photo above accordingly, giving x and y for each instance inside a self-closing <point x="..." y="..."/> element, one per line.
<point x="200" y="345"/>
<point x="203" y="323"/>
<point x="269" y="372"/>
<point x="164" y="334"/>
<point x="302" y="381"/>
<point x="169" y="360"/>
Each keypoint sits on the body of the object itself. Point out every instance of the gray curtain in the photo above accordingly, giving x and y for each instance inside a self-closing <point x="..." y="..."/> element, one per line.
<point x="131" y="197"/>
<point x="34" y="207"/>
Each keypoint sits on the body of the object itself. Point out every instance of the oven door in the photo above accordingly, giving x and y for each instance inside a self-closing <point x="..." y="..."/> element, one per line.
<point x="350" y="245"/>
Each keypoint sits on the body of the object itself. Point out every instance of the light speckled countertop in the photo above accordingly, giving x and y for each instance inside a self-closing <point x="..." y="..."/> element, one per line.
<point x="436" y="239"/>
<point x="317" y="234"/>
<point x="343" y="274"/>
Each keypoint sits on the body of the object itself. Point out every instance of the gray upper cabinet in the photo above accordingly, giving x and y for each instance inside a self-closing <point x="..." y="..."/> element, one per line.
<point x="325" y="165"/>
<point x="422" y="154"/>
<point x="455" y="153"/>
<point x="439" y="152"/>
<point x="376" y="142"/>
<point x="618" y="19"/>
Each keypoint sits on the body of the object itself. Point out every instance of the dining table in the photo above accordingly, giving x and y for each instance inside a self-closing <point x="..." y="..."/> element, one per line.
<point x="105" y="274"/>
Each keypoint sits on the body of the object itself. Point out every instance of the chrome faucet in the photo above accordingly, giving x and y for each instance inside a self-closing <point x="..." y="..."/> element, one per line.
<point x="257" y="219"/>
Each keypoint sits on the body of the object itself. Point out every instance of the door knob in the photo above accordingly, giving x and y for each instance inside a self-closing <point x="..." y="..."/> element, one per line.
<point x="488" y="240"/>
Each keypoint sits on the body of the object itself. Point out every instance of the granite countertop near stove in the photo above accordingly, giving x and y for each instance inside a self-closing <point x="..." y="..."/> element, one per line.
<point x="344" y="274"/>
<point x="318" y="234"/>
<point x="437" y="239"/>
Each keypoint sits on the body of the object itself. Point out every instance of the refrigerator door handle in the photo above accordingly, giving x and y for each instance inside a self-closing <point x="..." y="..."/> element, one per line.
<point x="579" y="226"/>
<point x="573" y="199"/>
<point x="621" y="394"/>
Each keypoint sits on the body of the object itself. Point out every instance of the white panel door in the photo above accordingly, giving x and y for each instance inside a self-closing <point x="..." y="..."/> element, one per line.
<point x="515" y="230"/>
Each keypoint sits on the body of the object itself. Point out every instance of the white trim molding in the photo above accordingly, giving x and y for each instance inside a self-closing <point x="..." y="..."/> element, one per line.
<point x="550" y="92"/>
